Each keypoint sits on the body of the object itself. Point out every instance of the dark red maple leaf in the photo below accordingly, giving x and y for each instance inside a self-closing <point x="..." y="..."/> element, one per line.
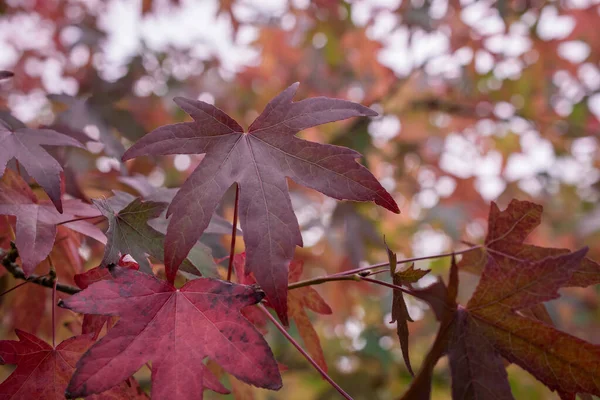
<point x="36" y="221"/>
<point x="259" y="162"/>
<point x="400" y="313"/>
<point x="25" y="145"/>
<point x="562" y="362"/>
<point x="175" y="329"/>
<point x="42" y="371"/>
<point x="507" y="231"/>
<point x="477" y="369"/>
<point x="94" y="323"/>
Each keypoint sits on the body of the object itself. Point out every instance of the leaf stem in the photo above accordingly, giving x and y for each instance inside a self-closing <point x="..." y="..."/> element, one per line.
<point x="233" y="231"/>
<point x="13" y="288"/>
<point x="54" y="312"/>
<point x="323" y="279"/>
<point x="304" y="353"/>
<point x="406" y="260"/>
<point x="79" y="219"/>
<point x="390" y="285"/>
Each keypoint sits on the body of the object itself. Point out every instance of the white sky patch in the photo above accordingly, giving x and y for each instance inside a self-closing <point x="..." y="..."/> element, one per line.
<point x="362" y="10"/>
<point x="403" y="55"/>
<point x="594" y="105"/>
<point x="553" y="26"/>
<point x="589" y="75"/>
<point x="483" y="17"/>
<point x="383" y="129"/>
<point x="510" y="45"/>
<point x="197" y="27"/>
<point x="182" y="162"/>
<point x="429" y="241"/>
<point x="484" y="62"/>
<point x="537" y="156"/>
<point x="574" y="51"/>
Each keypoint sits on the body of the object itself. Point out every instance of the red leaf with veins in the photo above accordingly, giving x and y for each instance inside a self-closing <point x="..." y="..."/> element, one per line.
<point x="507" y="231"/>
<point x="259" y="161"/>
<point x="477" y="369"/>
<point x="42" y="371"/>
<point x="175" y="329"/>
<point x="36" y="222"/>
<point x="25" y="145"/>
<point x="517" y="277"/>
<point x="94" y="323"/>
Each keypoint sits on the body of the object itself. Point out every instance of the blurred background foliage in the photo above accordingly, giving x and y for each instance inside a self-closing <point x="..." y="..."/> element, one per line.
<point x="478" y="101"/>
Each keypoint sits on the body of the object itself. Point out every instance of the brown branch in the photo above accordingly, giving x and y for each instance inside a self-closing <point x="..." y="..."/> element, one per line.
<point x="9" y="261"/>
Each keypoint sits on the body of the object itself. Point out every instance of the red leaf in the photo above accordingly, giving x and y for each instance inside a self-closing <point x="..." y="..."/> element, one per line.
<point x="36" y="222"/>
<point x="94" y="323"/>
<point x="506" y="232"/>
<point x="515" y="278"/>
<point x="175" y="329"/>
<point x="259" y="161"/>
<point x="477" y="370"/>
<point x="25" y="145"/>
<point x="42" y="371"/>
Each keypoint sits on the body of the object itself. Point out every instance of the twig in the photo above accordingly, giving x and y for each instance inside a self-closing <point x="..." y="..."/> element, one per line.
<point x="406" y="260"/>
<point x="390" y="285"/>
<point x="323" y="279"/>
<point x="13" y="288"/>
<point x="80" y="219"/>
<point x="54" y="312"/>
<point x="233" y="231"/>
<point x="9" y="262"/>
<point x="304" y="353"/>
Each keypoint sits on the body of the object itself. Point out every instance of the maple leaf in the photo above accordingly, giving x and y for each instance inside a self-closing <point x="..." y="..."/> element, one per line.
<point x="129" y="233"/>
<point x="507" y="231"/>
<point x="298" y="300"/>
<point x="400" y="313"/>
<point x="25" y="145"/>
<point x="477" y="369"/>
<point x="175" y="329"/>
<point x="36" y="222"/>
<point x="259" y="162"/>
<point x="43" y="372"/>
<point x="560" y="361"/>
<point x="94" y="323"/>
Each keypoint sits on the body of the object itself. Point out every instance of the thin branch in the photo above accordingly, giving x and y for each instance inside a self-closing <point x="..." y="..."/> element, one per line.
<point x="9" y="262"/>
<point x="13" y="288"/>
<point x="80" y="219"/>
<point x="233" y="231"/>
<point x="304" y="353"/>
<point x="54" y="312"/>
<point x="390" y="285"/>
<point x="406" y="260"/>
<point x="323" y="279"/>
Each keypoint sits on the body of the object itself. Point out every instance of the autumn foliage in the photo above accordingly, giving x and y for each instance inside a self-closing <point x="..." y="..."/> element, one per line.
<point x="298" y="241"/>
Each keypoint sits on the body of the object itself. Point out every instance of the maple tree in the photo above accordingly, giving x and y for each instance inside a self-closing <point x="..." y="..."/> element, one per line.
<point x="152" y="248"/>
